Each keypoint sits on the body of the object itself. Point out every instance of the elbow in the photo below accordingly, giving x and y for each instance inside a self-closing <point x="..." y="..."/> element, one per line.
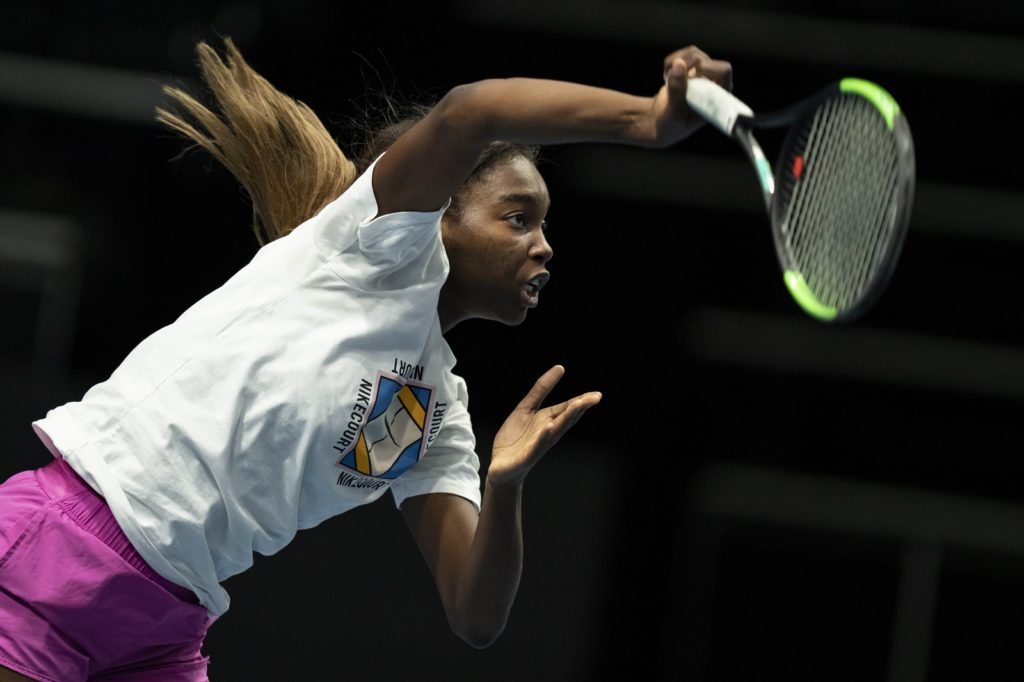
<point x="467" y="109"/>
<point x="478" y="636"/>
<point x="479" y="639"/>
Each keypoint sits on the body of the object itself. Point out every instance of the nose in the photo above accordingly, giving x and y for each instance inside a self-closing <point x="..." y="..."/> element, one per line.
<point x="541" y="250"/>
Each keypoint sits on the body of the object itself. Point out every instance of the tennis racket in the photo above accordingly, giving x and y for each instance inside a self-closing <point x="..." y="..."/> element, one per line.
<point x="840" y="194"/>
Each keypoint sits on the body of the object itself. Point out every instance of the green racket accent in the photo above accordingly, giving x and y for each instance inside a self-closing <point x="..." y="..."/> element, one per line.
<point x="764" y="172"/>
<point x="882" y="100"/>
<point x="805" y="297"/>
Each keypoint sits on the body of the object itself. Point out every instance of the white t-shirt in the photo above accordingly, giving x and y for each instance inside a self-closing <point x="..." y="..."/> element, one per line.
<point x="311" y="382"/>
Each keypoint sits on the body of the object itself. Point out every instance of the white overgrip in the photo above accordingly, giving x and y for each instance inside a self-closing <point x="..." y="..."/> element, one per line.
<point x="715" y="104"/>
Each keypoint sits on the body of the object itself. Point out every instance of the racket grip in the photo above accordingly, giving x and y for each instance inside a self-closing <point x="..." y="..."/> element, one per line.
<point x="715" y="104"/>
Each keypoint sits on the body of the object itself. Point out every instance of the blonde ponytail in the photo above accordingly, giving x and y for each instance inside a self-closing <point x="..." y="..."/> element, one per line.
<point x="274" y="145"/>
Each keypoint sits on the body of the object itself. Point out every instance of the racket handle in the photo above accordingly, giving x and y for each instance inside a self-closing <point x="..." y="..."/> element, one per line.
<point x="715" y="104"/>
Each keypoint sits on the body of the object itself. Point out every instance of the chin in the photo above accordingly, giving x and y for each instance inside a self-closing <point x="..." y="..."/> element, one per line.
<point x="515" y="319"/>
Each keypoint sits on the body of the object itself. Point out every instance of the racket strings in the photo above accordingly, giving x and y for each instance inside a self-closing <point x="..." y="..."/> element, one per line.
<point x="841" y="211"/>
<point x="837" y="223"/>
<point x="881" y="158"/>
<point x="842" y="272"/>
<point x="823" y="176"/>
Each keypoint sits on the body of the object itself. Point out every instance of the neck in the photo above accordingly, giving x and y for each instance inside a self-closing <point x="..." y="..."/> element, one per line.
<point x="448" y="312"/>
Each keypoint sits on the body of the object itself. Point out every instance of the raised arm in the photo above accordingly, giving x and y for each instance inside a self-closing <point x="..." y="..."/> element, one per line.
<point x="428" y="163"/>
<point x="476" y="559"/>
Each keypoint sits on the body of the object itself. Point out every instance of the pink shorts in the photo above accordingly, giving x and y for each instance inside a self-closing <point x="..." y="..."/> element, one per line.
<point x="77" y="602"/>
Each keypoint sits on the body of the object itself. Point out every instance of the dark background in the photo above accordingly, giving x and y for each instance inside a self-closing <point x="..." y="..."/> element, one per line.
<point x="758" y="495"/>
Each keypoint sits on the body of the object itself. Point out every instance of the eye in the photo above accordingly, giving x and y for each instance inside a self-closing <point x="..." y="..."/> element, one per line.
<point x="517" y="219"/>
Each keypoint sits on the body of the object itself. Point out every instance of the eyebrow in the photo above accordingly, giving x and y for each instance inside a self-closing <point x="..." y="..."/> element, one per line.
<point x="519" y="199"/>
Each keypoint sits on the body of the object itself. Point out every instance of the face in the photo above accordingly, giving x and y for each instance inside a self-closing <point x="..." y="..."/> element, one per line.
<point x="496" y="247"/>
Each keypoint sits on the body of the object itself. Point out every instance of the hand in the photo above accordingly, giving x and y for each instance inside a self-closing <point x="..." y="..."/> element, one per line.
<point x="531" y="431"/>
<point x="673" y="119"/>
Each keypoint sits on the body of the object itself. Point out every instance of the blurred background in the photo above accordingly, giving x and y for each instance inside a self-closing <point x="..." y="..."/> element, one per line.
<point x="758" y="495"/>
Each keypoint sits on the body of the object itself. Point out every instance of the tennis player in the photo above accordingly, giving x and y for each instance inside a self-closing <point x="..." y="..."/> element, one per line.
<point x="316" y="379"/>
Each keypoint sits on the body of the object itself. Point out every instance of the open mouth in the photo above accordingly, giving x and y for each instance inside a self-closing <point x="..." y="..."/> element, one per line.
<point x="531" y="290"/>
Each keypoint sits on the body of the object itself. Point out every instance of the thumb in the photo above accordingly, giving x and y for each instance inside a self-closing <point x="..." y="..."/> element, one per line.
<point x="675" y="75"/>
<point x="675" y="83"/>
<point x="542" y="388"/>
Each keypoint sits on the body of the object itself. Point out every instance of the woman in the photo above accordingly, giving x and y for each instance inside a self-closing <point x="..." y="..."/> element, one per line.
<point x="315" y="379"/>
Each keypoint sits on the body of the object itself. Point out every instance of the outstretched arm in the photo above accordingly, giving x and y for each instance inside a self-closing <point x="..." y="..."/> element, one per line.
<point x="476" y="559"/>
<point x="430" y="161"/>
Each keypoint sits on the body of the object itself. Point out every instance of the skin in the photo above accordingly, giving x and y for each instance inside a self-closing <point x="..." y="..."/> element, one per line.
<point x="495" y="246"/>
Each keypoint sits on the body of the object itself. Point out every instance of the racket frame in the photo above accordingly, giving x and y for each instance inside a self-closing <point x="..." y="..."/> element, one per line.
<point x="737" y="120"/>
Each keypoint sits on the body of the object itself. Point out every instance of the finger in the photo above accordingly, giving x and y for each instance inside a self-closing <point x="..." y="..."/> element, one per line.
<point x="675" y="72"/>
<point x="586" y="402"/>
<point x="692" y="56"/>
<point x="697" y="58"/>
<point x="571" y="410"/>
<point x="718" y="71"/>
<point x="675" y="84"/>
<point x="680" y="66"/>
<point x="565" y="415"/>
<point x="535" y="398"/>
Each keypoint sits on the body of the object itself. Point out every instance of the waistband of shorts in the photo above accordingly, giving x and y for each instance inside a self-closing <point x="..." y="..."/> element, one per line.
<point x="58" y="480"/>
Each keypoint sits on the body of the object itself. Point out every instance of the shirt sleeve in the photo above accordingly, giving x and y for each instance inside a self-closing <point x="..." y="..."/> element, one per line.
<point x="450" y="464"/>
<point x="351" y="236"/>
